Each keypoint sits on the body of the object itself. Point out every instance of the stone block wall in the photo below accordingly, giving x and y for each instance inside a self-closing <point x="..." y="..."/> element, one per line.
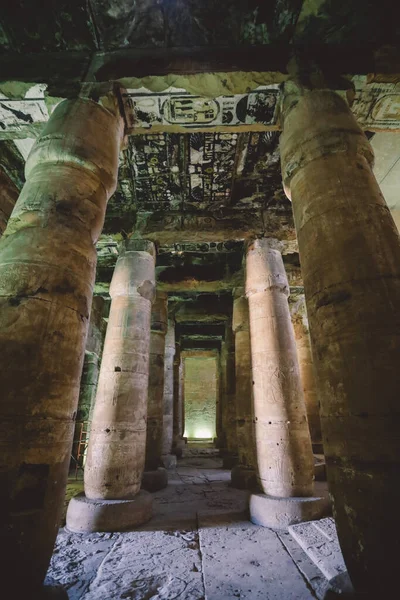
<point x="200" y="397"/>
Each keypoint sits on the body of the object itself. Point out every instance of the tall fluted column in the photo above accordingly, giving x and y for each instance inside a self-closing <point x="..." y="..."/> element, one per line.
<point x="169" y="459"/>
<point x="350" y="256"/>
<point x="155" y="476"/>
<point x="228" y="409"/>
<point x="284" y="453"/>
<point x="178" y="441"/>
<point x="47" y="271"/>
<point x="117" y="444"/>
<point x="307" y="375"/>
<point x="244" y="473"/>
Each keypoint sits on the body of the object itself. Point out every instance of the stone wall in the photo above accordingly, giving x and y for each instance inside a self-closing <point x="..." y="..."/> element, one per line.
<point x="200" y="397"/>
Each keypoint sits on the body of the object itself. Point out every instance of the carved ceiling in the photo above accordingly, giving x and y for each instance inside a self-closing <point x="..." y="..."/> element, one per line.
<point x="201" y="172"/>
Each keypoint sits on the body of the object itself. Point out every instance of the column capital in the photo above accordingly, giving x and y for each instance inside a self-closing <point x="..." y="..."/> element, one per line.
<point x="137" y="245"/>
<point x="265" y="271"/>
<point x="134" y="273"/>
<point x="316" y="123"/>
<point x="75" y="134"/>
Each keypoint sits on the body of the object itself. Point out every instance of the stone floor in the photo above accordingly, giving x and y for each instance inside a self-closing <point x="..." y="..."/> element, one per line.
<point x="199" y="545"/>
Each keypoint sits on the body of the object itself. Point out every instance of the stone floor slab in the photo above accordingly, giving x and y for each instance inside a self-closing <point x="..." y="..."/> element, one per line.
<point x="320" y="542"/>
<point x="242" y="560"/>
<point x="199" y="545"/>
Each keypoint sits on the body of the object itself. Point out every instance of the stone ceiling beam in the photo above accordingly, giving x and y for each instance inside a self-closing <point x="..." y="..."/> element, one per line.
<point x="63" y="70"/>
<point x="188" y="344"/>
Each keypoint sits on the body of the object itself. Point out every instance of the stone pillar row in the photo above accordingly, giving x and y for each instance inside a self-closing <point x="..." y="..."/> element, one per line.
<point x="47" y="272"/>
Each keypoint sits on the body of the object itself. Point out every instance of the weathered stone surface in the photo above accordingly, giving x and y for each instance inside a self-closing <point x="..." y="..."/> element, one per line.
<point x="45" y="303"/>
<point x="306" y="364"/>
<point x="279" y="513"/>
<point x="8" y="198"/>
<point x="320" y="542"/>
<point x="152" y="481"/>
<point x="200" y="396"/>
<point x="155" y="401"/>
<point x="314" y="577"/>
<point x="245" y="561"/>
<point x="168" y="416"/>
<point x="116" y="452"/>
<point x="227" y="388"/>
<point x="284" y="453"/>
<point x="350" y="252"/>
<point x="85" y="515"/>
<point x="245" y="473"/>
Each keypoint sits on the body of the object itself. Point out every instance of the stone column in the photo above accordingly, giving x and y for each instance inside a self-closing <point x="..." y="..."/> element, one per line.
<point x="155" y="476"/>
<point x="228" y="409"/>
<point x="8" y="198"/>
<point x="178" y="441"/>
<point x="243" y="475"/>
<point x="350" y="257"/>
<point x="90" y="374"/>
<point x="220" y="441"/>
<point x="307" y="375"/>
<point x="117" y="444"/>
<point x="284" y="453"/>
<point x="169" y="459"/>
<point x="47" y="271"/>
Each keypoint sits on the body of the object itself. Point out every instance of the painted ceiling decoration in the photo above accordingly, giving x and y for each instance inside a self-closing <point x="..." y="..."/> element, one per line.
<point x="201" y="173"/>
<point x="376" y="105"/>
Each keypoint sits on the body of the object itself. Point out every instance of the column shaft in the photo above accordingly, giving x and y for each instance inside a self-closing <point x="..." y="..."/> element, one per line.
<point x="47" y="270"/>
<point x="155" y="410"/>
<point x="168" y="392"/>
<point x="90" y="376"/>
<point x="284" y="454"/>
<point x="350" y="257"/>
<point x="228" y="408"/>
<point x="245" y="430"/>
<point x="116" y="452"/>
<point x="308" y="380"/>
<point x="178" y="442"/>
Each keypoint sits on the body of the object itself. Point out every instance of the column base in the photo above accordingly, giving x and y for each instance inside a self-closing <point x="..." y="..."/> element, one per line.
<point x="320" y="471"/>
<point x="318" y="448"/>
<point x="279" y="513"/>
<point x="229" y="461"/>
<point x="178" y="447"/>
<point x="85" y="515"/>
<point x="169" y="461"/>
<point x="153" y="481"/>
<point x="244" y="478"/>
